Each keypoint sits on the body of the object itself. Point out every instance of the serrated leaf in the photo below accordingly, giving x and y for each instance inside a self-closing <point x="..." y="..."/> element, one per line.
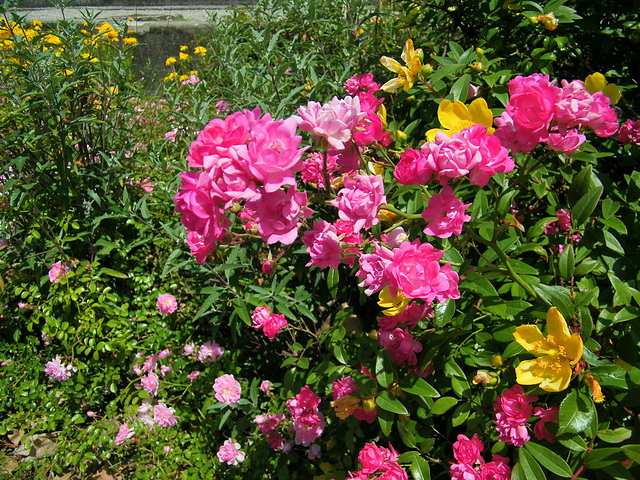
<point x="549" y="459"/>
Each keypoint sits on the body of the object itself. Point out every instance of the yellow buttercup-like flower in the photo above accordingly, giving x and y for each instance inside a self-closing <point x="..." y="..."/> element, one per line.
<point x="392" y="305"/>
<point x="406" y="74"/>
<point x="556" y="353"/>
<point x="597" y="83"/>
<point x="456" y="116"/>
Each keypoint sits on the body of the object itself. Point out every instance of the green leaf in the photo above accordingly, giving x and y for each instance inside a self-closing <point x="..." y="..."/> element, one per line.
<point x="566" y="263"/>
<point x="333" y="279"/>
<point x="390" y="403"/>
<point x="443" y="312"/>
<point x="585" y="206"/>
<point x="418" y="386"/>
<point x="573" y="442"/>
<point x="556" y="296"/>
<point x="385" y="419"/>
<point x="460" y="88"/>
<point x="549" y="459"/>
<point x="420" y="469"/>
<point x="617" y="435"/>
<point x="603" y="457"/>
<point x="407" y="437"/>
<point x="460" y="414"/>
<point x="442" y="405"/>
<point x="113" y="273"/>
<point x="612" y="242"/>
<point x="530" y="466"/>
<point x="632" y="452"/>
<point x="384" y="369"/>
<point x="576" y="414"/>
<point x="580" y="186"/>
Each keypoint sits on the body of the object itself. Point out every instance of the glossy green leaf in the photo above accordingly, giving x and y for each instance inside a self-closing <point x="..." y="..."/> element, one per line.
<point x="616" y="435"/>
<point x="384" y="369"/>
<point x="549" y="459"/>
<point x="530" y="466"/>
<point x="603" y="457"/>
<point x="406" y="436"/>
<point x="442" y="405"/>
<point x="576" y="414"/>
<point x="566" y="263"/>
<point x="420" y="469"/>
<point x="390" y="403"/>
<point x="584" y="207"/>
<point x="418" y="386"/>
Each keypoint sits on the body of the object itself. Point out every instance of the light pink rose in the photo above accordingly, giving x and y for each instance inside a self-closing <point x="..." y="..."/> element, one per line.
<point x="360" y="200"/>
<point x="124" y="433"/>
<point x="167" y="303"/>
<point x="150" y="383"/>
<point x="323" y="245"/>
<point x="164" y="416"/>
<point x="57" y="271"/>
<point x="227" y="389"/>
<point x="230" y="453"/>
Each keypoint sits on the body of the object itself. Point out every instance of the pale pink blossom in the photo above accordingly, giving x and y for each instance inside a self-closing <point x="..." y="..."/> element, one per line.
<point x="193" y="375"/>
<point x="333" y="122"/>
<point x="373" y="269"/>
<point x="167" y="303"/>
<point x="192" y="80"/>
<point x="265" y="386"/>
<point x="124" y="433"/>
<point x="57" y="271"/>
<point x="230" y="453"/>
<point x="150" y="383"/>
<point x="209" y="351"/>
<point x="164" y="416"/>
<point x="222" y="106"/>
<point x="314" y="452"/>
<point x="360" y="200"/>
<point x="445" y="214"/>
<point x="227" y="389"/>
<point x="565" y="141"/>
<point x="56" y="369"/>
<point x="188" y="349"/>
<point x="170" y="135"/>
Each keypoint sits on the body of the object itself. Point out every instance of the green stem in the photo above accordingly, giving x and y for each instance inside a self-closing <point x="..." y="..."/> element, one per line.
<point x="393" y="209"/>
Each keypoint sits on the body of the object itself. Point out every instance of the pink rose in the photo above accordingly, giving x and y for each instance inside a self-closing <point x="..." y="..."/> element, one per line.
<point x="164" y="416"/>
<point x="323" y="245"/>
<point x="445" y="214"/>
<point x="57" y="271"/>
<point x="467" y="450"/>
<point x="279" y="214"/>
<point x="230" y="453"/>
<point x="549" y="415"/>
<point x="227" y="389"/>
<point x="360" y="200"/>
<point x="124" y="433"/>
<point x="167" y="303"/>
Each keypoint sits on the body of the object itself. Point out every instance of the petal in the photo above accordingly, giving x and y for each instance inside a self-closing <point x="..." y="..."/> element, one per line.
<point x="392" y="85"/>
<point x="557" y="380"/>
<point x="450" y="114"/>
<point x="557" y="326"/>
<point x="531" y="338"/>
<point x="480" y="113"/>
<point x="595" y="83"/>
<point x="391" y="64"/>
<point x="611" y="91"/>
<point x="573" y="348"/>
<point x="408" y="52"/>
<point x="529" y="372"/>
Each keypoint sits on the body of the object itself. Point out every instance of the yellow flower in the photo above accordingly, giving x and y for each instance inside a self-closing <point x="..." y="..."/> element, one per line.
<point x="549" y="21"/>
<point x="171" y="76"/>
<point x="406" y="74"/>
<point x="455" y="116"/>
<point x="392" y="305"/>
<point x="183" y="48"/>
<point x="557" y="353"/>
<point x="184" y="56"/>
<point x="200" y="51"/>
<point x="170" y="61"/>
<point x="597" y="83"/>
<point x="52" y="39"/>
<point x="130" y="41"/>
<point x="345" y="406"/>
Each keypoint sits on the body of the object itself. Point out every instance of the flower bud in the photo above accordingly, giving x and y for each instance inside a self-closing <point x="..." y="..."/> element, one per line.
<point x="387" y="216"/>
<point x="426" y="70"/>
<point x="479" y="51"/>
<point x="368" y="404"/>
<point x="497" y="360"/>
<point x="401" y="136"/>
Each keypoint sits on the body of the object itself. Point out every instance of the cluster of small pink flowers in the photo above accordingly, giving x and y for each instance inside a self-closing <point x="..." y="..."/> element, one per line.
<point x="192" y="80"/>
<point x="313" y="169"/>
<point x="271" y="323"/>
<point x="58" y="271"/>
<point x="472" y="152"/>
<point x="58" y="370"/>
<point x="629" y="132"/>
<point x="347" y="386"/>
<point x="248" y="158"/>
<point x="445" y="214"/>
<point x="167" y="303"/>
<point x="267" y="424"/>
<point x="541" y="112"/>
<point x="227" y="389"/>
<point x="150" y="383"/>
<point x="513" y="409"/>
<point x="379" y="462"/>
<point x="361" y="83"/>
<point x="563" y="224"/>
<point x="400" y="345"/>
<point x="471" y="465"/>
<point x="308" y="421"/>
<point x="230" y="453"/>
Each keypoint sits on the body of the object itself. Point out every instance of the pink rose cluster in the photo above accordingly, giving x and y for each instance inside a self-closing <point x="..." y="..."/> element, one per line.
<point x="149" y="365"/>
<point x="347" y="386"/>
<point x="379" y="462"/>
<point x="270" y="323"/>
<point x="328" y="243"/>
<point x="268" y="424"/>
<point x="308" y="421"/>
<point x="471" y="152"/>
<point x="58" y="370"/>
<point x="471" y="465"/>
<point x="245" y="158"/>
<point x="513" y="410"/>
<point x="541" y="112"/>
<point x="58" y="271"/>
<point x="445" y="214"/>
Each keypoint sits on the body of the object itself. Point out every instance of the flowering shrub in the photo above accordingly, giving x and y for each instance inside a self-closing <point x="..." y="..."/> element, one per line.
<point x="416" y="269"/>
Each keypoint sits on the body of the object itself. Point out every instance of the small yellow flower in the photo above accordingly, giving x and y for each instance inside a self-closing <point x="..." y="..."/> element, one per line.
<point x="183" y="48"/>
<point x="184" y="56"/>
<point x="392" y="305"/>
<point x="171" y="76"/>
<point x="556" y="353"/>
<point x="170" y="61"/>
<point x="549" y="21"/>
<point x="130" y="41"/>
<point x="183" y="77"/>
<point x="597" y="83"/>
<point x="200" y="50"/>
<point x="52" y="39"/>
<point x="456" y="116"/>
<point x="345" y="406"/>
<point x="406" y="74"/>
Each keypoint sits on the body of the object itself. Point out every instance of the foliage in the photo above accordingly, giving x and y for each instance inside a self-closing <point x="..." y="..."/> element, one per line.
<point x="91" y="163"/>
